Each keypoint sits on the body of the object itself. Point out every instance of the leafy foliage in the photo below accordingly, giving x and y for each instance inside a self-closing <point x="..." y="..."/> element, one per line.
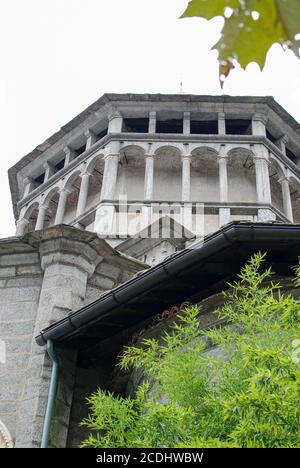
<point x="242" y="392"/>
<point x="251" y="27"/>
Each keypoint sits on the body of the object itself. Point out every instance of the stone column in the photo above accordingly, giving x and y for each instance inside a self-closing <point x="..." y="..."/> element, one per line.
<point x="115" y="122"/>
<point x="221" y="123"/>
<point x="286" y="196"/>
<point x="186" y="123"/>
<point x="282" y="144"/>
<point x="224" y="212"/>
<point x="21" y="224"/>
<point x="149" y="177"/>
<point x="41" y="217"/>
<point x="263" y="188"/>
<point x="64" y="193"/>
<point x="49" y="170"/>
<point x="110" y="176"/>
<point x="84" y="187"/>
<point x="152" y="122"/>
<point x="259" y="124"/>
<point x="223" y="179"/>
<point x="69" y="152"/>
<point x="186" y="178"/>
<point x="29" y="185"/>
<point x="106" y="211"/>
<point x="90" y="138"/>
<point x="67" y="260"/>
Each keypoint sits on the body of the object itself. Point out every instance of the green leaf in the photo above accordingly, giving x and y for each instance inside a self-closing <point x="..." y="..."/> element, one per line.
<point x="245" y="37"/>
<point x="209" y="8"/>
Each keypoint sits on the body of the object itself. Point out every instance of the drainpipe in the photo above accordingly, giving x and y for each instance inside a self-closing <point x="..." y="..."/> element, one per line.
<point x="51" y="395"/>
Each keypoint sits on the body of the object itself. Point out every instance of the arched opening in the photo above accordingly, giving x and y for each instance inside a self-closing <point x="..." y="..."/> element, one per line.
<point x="31" y="215"/>
<point x="96" y="169"/>
<point x="73" y="186"/>
<point x="241" y="176"/>
<point x="51" y="202"/>
<point x="167" y="174"/>
<point x="204" y="175"/>
<point x="276" y="173"/>
<point x="131" y="173"/>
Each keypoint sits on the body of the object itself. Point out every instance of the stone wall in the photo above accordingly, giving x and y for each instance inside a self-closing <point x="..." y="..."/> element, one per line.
<point x="44" y="276"/>
<point x="20" y="284"/>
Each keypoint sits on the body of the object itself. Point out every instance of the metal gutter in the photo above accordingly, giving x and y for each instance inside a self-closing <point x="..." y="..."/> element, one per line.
<point x="51" y="395"/>
<point x="232" y="233"/>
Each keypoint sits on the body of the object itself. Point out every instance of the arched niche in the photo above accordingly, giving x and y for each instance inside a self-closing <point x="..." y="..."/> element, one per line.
<point x="241" y="176"/>
<point x="131" y="173"/>
<point x="167" y="174"/>
<point x="204" y="175"/>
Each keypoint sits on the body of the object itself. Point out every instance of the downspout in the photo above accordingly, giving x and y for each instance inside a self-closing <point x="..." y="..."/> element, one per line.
<point x="51" y="395"/>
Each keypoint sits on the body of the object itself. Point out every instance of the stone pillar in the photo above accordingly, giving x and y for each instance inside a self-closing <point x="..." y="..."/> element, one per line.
<point x="286" y="196"/>
<point x="110" y="176"/>
<point x="186" y="178"/>
<point x="152" y="122"/>
<point x="106" y="211"/>
<point x="69" y="152"/>
<point x="84" y="187"/>
<point x="223" y="179"/>
<point x="186" y="123"/>
<point x="21" y="224"/>
<point x="63" y="196"/>
<point x="259" y="124"/>
<point x="49" y="170"/>
<point x="282" y="144"/>
<point x="221" y="123"/>
<point x="115" y="122"/>
<point x="90" y="138"/>
<point x="67" y="260"/>
<point x="149" y="177"/>
<point x="263" y="188"/>
<point x="29" y="185"/>
<point x="41" y="217"/>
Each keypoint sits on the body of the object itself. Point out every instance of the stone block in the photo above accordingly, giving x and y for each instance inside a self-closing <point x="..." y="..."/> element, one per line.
<point x="105" y="269"/>
<point x="7" y="272"/>
<point x="19" y="259"/>
<point x="19" y="311"/>
<point x="29" y="270"/>
<point x="19" y="294"/>
<point x="22" y="282"/>
<point x="24" y="327"/>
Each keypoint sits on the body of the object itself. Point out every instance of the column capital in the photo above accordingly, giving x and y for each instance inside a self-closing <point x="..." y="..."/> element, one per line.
<point x="186" y="156"/>
<point x="261" y="158"/>
<point x="221" y="115"/>
<point x="284" y="179"/>
<point x="88" y="133"/>
<point x="149" y="155"/>
<point x="222" y="157"/>
<point x="284" y="139"/>
<point x="111" y="156"/>
<point x="22" y="221"/>
<point x="67" y="150"/>
<point x="85" y="173"/>
<point x="64" y="190"/>
<point x="261" y="117"/>
<point x="114" y="114"/>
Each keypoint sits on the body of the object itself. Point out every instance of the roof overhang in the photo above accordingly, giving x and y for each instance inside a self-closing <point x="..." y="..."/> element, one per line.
<point x="194" y="273"/>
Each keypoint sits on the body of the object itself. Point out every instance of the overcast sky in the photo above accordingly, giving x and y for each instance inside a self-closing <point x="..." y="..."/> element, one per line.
<point x="59" y="56"/>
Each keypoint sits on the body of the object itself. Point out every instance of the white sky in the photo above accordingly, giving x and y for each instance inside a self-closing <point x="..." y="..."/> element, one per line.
<point x="59" y="56"/>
